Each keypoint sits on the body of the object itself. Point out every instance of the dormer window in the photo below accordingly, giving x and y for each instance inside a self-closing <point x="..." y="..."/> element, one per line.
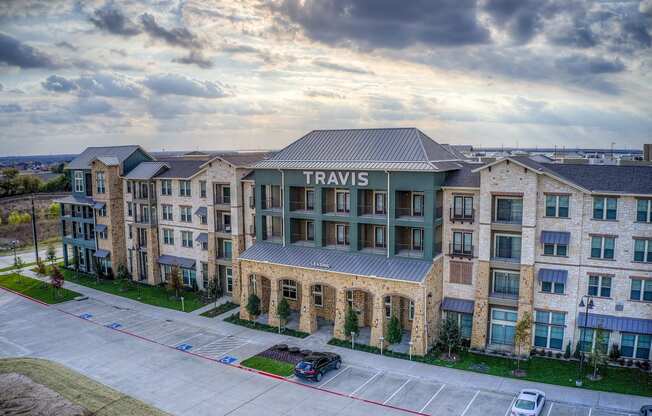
<point x="79" y="181"/>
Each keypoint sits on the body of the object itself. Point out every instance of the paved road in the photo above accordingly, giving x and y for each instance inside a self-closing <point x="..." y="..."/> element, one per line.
<point x="142" y="356"/>
<point x="28" y="256"/>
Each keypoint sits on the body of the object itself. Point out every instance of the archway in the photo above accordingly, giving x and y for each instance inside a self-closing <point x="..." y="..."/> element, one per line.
<point x="401" y="309"/>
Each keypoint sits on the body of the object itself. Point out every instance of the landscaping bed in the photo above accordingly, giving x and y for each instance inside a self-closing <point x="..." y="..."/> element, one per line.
<point x="539" y="369"/>
<point x="36" y="289"/>
<point x="269" y="365"/>
<point x="223" y="308"/>
<point x="235" y="319"/>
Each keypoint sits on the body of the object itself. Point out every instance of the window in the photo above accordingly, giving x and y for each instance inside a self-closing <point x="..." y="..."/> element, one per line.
<point x="318" y="295"/>
<point x="166" y="187"/>
<point x="184" y="188"/>
<point x="342" y="201"/>
<point x="310" y="230"/>
<point x="411" y="310"/>
<point x="103" y="235"/>
<point x="203" y="219"/>
<point x="555" y="250"/>
<point x="462" y="243"/>
<point x="101" y="185"/>
<point x="202" y="189"/>
<point x="549" y="329"/>
<point x="166" y="272"/>
<point x="168" y="236"/>
<point x="79" y="181"/>
<point x="349" y="298"/>
<point x="226" y="194"/>
<point x="226" y="249"/>
<point x="204" y="274"/>
<point x="644" y="210"/>
<point x="388" y="306"/>
<point x="380" y="199"/>
<point x="604" y="208"/>
<point x="553" y="287"/>
<point x="590" y="338"/>
<point x="462" y="206"/>
<point x="226" y="218"/>
<point x="417" y="205"/>
<point x="379" y="237"/>
<point x="128" y="187"/>
<point x="602" y="247"/>
<point x="186" y="214"/>
<point x="143" y="190"/>
<point x="204" y="245"/>
<point x="635" y="346"/>
<point x="289" y="288"/>
<point x="507" y="246"/>
<point x="464" y="322"/>
<point x="166" y="211"/>
<point x="188" y="276"/>
<point x="130" y="230"/>
<point x="600" y="286"/>
<point x="229" y="280"/>
<point x="557" y="206"/>
<point x="461" y="272"/>
<point x="342" y="232"/>
<point x="417" y="239"/>
<point x="130" y="209"/>
<point x="641" y="289"/>
<point x="643" y="250"/>
<point x="505" y="283"/>
<point x="509" y="210"/>
<point x="102" y="211"/>
<point x="310" y="199"/>
<point x="144" y="213"/>
<point x="503" y="323"/>
<point x="186" y="239"/>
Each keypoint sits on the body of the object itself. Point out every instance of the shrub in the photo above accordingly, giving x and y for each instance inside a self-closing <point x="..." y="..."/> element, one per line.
<point x="351" y="322"/>
<point x="253" y="305"/>
<point x="567" y="352"/>
<point x="40" y="268"/>
<point x="645" y="366"/>
<point x="394" y="330"/>
<point x="549" y="353"/>
<point x="283" y="310"/>
<point x="578" y="352"/>
<point x="628" y="363"/>
<point x="558" y="355"/>
<point x="449" y="335"/>
<point x="615" y="352"/>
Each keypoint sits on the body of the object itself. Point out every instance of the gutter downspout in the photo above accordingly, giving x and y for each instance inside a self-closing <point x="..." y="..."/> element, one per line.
<point x="579" y="268"/>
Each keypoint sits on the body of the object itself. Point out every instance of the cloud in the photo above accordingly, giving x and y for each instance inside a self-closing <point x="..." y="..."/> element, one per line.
<point x="104" y="85"/>
<point x="181" y="85"/>
<point x="2" y="87"/>
<point x="10" y="108"/>
<point x="585" y="65"/>
<point x="16" y="53"/>
<point x="319" y="93"/>
<point x="521" y="19"/>
<point x="66" y="45"/>
<point x="111" y="19"/>
<point x="56" y="83"/>
<point x="195" y="58"/>
<point x="179" y="36"/>
<point x="340" y="67"/>
<point x="94" y="106"/>
<point x="375" y="24"/>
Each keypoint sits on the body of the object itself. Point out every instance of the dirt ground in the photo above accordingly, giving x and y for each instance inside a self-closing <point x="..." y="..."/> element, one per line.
<point x="47" y="227"/>
<point x="20" y="396"/>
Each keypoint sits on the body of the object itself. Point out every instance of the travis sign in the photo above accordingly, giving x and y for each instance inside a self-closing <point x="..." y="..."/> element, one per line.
<point x="336" y="178"/>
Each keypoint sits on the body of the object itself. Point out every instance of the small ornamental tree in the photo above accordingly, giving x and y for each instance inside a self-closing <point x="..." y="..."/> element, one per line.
<point x="449" y="335"/>
<point x="578" y="351"/>
<point x="394" y="330"/>
<point x="175" y="284"/>
<point x="598" y="356"/>
<point x="283" y="311"/>
<point x="614" y="354"/>
<point x="522" y="335"/>
<point x="19" y="263"/>
<point x="351" y="322"/>
<point x="54" y="210"/>
<point x="253" y="305"/>
<point x="51" y="254"/>
<point x="567" y="353"/>
<point x="56" y="279"/>
<point x="40" y="268"/>
<point x="123" y="277"/>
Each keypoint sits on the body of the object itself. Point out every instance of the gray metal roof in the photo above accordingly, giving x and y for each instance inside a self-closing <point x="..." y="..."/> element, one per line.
<point x="616" y="323"/>
<point x="99" y="205"/>
<point x="555" y="237"/>
<point x="83" y="161"/>
<point x="201" y="211"/>
<point x="100" y="227"/>
<point x="553" y="275"/>
<point x="458" y="305"/>
<point x="99" y="253"/>
<point x="181" y="168"/>
<point x="183" y="262"/>
<point x="394" y="268"/>
<point x="74" y="199"/>
<point x="382" y="149"/>
<point x="464" y="177"/>
<point x="202" y="238"/>
<point x="146" y="170"/>
<point x="244" y="159"/>
<point x="108" y="160"/>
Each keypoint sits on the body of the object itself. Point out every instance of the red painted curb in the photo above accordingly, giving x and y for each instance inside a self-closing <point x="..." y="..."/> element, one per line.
<point x="238" y="366"/>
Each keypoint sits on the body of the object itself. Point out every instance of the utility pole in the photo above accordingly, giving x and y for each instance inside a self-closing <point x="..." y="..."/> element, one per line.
<point x="34" y="230"/>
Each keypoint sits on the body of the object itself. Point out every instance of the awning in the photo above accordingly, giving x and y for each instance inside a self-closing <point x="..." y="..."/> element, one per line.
<point x="177" y="261"/>
<point x="555" y="237"/>
<point x="102" y="254"/>
<point x="75" y="200"/>
<point x="615" y="323"/>
<point x="553" y="275"/>
<point x="457" y="305"/>
<point x="99" y="205"/>
<point x="202" y="238"/>
<point x="201" y="211"/>
<point x="100" y="227"/>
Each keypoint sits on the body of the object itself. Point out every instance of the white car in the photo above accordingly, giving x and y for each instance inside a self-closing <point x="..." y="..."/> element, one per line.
<point x="529" y="402"/>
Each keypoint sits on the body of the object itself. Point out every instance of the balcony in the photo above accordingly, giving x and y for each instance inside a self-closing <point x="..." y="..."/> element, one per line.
<point x="222" y="201"/>
<point x="222" y="228"/>
<point x="272" y="204"/>
<point x="273" y="238"/>
<point x="251" y="230"/>
<point x="465" y="216"/>
<point x="301" y="206"/>
<point x="409" y="250"/>
<point x="460" y="250"/>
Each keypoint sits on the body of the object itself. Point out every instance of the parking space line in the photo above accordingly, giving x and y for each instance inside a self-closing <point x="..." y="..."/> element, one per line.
<point x="399" y="389"/>
<point x="432" y="398"/>
<point x="365" y="383"/>
<point x="335" y="376"/>
<point x="468" y="406"/>
<point x="550" y="409"/>
<point x="590" y="411"/>
<point x="185" y="341"/>
<point x="511" y="405"/>
<point x="235" y="348"/>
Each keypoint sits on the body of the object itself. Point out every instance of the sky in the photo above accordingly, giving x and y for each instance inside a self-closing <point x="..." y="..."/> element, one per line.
<point x="258" y="74"/>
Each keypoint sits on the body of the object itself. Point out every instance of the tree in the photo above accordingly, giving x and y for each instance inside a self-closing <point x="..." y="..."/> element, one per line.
<point x="351" y="323"/>
<point x="15" y="218"/>
<point x="449" y="335"/>
<point x="614" y="354"/>
<point x="19" y="263"/>
<point x="253" y="305"/>
<point x="394" y="330"/>
<point x="28" y="184"/>
<point x="522" y="335"/>
<point x="51" y="254"/>
<point x="567" y="353"/>
<point x="123" y="276"/>
<point x="175" y="284"/>
<point x="56" y="279"/>
<point x="10" y="173"/>
<point x="283" y="311"/>
<point x="598" y="356"/>
<point x="54" y="210"/>
<point x="578" y="351"/>
<point x="40" y="268"/>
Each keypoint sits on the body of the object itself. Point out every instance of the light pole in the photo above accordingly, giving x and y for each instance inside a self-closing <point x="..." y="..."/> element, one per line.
<point x="588" y="305"/>
<point x="14" y="243"/>
<point x="381" y="339"/>
<point x="352" y="340"/>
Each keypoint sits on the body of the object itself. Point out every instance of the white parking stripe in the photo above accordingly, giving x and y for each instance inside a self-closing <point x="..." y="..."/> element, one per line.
<point x="590" y="411"/>
<point x="235" y="348"/>
<point x="335" y="376"/>
<point x="399" y="389"/>
<point x="468" y="406"/>
<point x="185" y="341"/>
<point x="432" y="398"/>
<point x="510" y="406"/>
<point x="365" y="383"/>
<point x="550" y="409"/>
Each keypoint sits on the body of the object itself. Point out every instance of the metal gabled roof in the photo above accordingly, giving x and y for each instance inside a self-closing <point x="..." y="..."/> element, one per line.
<point x="110" y="153"/>
<point x="146" y="170"/>
<point x="359" y="264"/>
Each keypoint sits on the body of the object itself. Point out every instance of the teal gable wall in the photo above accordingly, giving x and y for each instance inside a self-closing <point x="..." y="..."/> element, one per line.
<point x="134" y="159"/>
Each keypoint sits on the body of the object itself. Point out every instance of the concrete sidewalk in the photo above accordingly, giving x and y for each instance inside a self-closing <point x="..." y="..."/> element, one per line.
<point x="29" y="256"/>
<point x="317" y="342"/>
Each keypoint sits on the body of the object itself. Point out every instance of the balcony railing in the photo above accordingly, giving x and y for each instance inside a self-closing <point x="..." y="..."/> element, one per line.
<point x="460" y="250"/>
<point x="331" y="208"/>
<point x="368" y="209"/>
<point x="221" y="200"/>
<point x="462" y="216"/>
<point x="272" y="203"/>
<point x="408" y="213"/>
<point x="408" y="250"/>
<point x="300" y="206"/>
<point x="275" y="238"/>
<point x="222" y="228"/>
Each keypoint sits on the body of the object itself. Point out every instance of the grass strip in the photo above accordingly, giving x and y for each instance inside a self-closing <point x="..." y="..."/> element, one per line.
<point x="223" y="308"/>
<point x="36" y="289"/>
<point x="269" y="365"/>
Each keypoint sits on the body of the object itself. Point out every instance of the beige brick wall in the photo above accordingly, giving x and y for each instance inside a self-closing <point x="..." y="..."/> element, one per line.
<point x="114" y="220"/>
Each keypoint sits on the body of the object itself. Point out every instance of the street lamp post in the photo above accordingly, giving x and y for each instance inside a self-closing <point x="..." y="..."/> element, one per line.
<point x="588" y="305"/>
<point x="382" y="341"/>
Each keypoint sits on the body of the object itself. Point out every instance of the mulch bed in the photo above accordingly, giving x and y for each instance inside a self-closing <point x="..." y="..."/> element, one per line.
<point x="284" y="355"/>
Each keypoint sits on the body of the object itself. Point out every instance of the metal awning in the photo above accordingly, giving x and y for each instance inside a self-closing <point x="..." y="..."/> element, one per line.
<point x="555" y="237"/>
<point x="100" y="227"/>
<point x="202" y="238"/>
<point x="616" y="323"/>
<point x="75" y="200"/>
<point x="102" y="254"/>
<point x="553" y="275"/>
<point x="457" y="305"/>
<point x="99" y="205"/>
<point x="202" y="211"/>
<point x="182" y="262"/>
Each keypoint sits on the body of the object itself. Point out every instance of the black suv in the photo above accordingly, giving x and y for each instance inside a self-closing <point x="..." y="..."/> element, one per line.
<point x="317" y="364"/>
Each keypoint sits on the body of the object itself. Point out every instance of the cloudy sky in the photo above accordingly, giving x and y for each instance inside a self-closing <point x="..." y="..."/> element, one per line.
<point x="245" y="74"/>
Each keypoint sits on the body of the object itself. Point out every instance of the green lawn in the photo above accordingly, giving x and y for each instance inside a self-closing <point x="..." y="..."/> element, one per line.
<point x="235" y="319"/>
<point x="151" y="295"/>
<point x="268" y="365"/>
<point x="223" y="308"/>
<point x="36" y="289"/>
<point x="9" y="268"/>
<point x="539" y="369"/>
